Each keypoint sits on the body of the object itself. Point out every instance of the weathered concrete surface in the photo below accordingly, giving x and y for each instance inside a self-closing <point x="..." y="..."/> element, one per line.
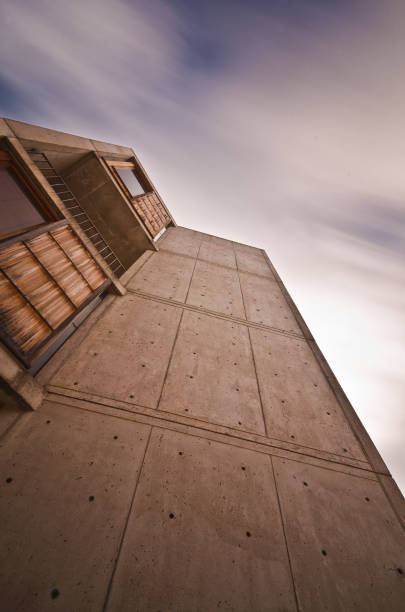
<point x="211" y="375"/>
<point x="125" y="354"/>
<point x="182" y="241"/>
<point x="265" y="303"/>
<point x="217" y="251"/>
<point x="187" y="545"/>
<point x="250" y="259"/>
<point x="37" y="134"/>
<point x="10" y="412"/>
<point x="345" y="543"/>
<point x="221" y="393"/>
<point x="216" y="288"/>
<point x="72" y="475"/>
<point x="298" y="402"/>
<point x="165" y="274"/>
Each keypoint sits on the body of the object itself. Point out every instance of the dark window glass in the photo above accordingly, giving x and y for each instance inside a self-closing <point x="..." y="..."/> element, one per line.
<point x="130" y="181"/>
<point x="17" y="213"/>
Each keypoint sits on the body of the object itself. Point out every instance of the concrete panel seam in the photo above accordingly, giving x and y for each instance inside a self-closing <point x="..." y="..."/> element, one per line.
<point x="284" y="532"/>
<point x="170" y="359"/>
<point x="356" y="426"/>
<point x="174" y="417"/>
<point x="173" y="421"/>
<point x="213" y="313"/>
<point x="192" y="274"/>
<point x="250" y="343"/>
<point x="207" y="434"/>
<point x="257" y="382"/>
<point x="240" y="286"/>
<point x="216" y="264"/>
<point x="126" y="525"/>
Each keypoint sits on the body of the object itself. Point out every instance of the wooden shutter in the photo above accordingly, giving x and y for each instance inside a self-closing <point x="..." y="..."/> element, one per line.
<point x="46" y="277"/>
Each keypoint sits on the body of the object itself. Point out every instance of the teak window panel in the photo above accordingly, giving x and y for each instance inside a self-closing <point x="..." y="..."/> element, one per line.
<point x="46" y="278"/>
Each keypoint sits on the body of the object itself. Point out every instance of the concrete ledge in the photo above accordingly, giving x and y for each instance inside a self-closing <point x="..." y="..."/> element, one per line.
<point x="18" y="388"/>
<point x="134" y="269"/>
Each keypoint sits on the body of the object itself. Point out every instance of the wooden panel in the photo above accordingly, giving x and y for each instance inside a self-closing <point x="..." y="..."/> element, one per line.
<point x="22" y="268"/>
<point x="151" y="211"/>
<point x="18" y="319"/>
<point x="61" y="268"/>
<point x="45" y="278"/>
<point x="79" y="256"/>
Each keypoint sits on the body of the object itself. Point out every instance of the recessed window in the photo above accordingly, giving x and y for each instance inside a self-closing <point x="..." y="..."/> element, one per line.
<point x="130" y="181"/>
<point x="17" y="212"/>
<point x="130" y="177"/>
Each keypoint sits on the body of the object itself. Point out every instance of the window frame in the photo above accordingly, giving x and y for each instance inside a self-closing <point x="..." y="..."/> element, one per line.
<point x="38" y="202"/>
<point x="140" y="177"/>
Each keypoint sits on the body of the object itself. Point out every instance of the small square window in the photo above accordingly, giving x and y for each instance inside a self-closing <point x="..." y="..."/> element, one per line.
<point x="130" y="181"/>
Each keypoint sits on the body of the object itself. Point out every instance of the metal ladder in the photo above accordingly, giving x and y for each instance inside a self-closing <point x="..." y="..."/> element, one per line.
<point x="76" y="211"/>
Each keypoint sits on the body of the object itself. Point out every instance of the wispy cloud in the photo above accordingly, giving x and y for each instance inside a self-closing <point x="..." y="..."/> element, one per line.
<point x="277" y="124"/>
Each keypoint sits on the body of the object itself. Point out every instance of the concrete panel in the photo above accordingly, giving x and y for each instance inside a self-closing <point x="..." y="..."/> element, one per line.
<point x="211" y="376"/>
<point x="299" y="405"/>
<point x="4" y="129"/>
<point x="202" y="558"/>
<point x="251" y="260"/>
<point x="346" y="546"/>
<point x="38" y="134"/>
<point x="218" y="251"/>
<point x="72" y="475"/>
<point x="216" y="288"/>
<point x="139" y="335"/>
<point x="265" y="303"/>
<point x="108" y="148"/>
<point x="165" y="274"/>
<point x="182" y="241"/>
<point x="9" y="411"/>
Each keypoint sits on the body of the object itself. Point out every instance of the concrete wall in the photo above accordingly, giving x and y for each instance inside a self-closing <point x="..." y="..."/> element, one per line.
<point x="100" y="197"/>
<point x="194" y="453"/>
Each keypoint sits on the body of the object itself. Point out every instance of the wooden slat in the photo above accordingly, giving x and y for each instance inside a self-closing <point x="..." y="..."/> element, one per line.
<point x="33" y="282"/>
<point x="152" y="213"/>
<point x="45" y="279"/>
<point x="60" y="268"/>
<point x="18" y="319"/>
<point x="80" y="256"/>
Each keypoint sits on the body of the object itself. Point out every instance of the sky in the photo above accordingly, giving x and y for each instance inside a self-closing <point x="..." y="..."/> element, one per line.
<point x="277" y="124"/>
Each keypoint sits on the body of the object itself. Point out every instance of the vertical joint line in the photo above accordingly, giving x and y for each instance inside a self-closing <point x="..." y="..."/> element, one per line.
<point x="284" y="531"/>
<point x="192" y="274"/>
<point x="170" y="358"/>
<point x="251" y="345"/>
<point x="258" y="383"/>
<point x="124" y="531"/>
